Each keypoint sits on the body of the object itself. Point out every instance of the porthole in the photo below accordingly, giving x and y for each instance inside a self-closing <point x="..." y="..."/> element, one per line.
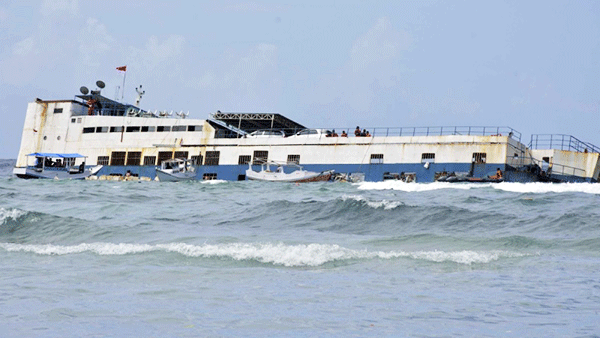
<point x="45" y="138"/>
<point x="58" y="138"/>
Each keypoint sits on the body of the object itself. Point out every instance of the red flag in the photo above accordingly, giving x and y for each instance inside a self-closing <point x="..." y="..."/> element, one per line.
<point x="123" y="69"/>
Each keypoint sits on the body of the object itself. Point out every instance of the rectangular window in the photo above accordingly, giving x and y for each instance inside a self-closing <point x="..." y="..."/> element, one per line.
<point x="209" y="176"/>
<point x="179" y="128"/>
<point x="58" y="110"/>
<point x="133" y="129"/>
<point x="102" y="129"/>
<point x="102" y="160"/>
<point x="212" y="158"/>
<point x="163" y="128"/>
<point x="149" y="160"/>
<point x="148" y="129"/>
<point x="194" y="128"/>
<point x="73" y="120"/>
<point x="197" y="160"/>
<point x="116" y="129"/>
<point x="164" y="155"/>
<point x="117" y="158"/>
<point x="260" y="156"/>
<point x="134" y="157"/>
<point x="479" y="157"/>
<point x="427" y="157"/>
<point x="376" y="158"/>
<point x="244" y="159"/>
<point x="88" y="130"/>
<point x="293" y="159"/>
<point x="79" y="120"/>
<point x="181" y="154"/>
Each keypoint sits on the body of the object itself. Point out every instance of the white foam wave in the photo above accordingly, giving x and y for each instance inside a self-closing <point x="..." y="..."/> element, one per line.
<point x="385" y="204"/>
<point x="213" y="181"/>
<point x="276" y="254"/>
<point x="5" y="214"/>
<point x="541" y="188"/>
<point x="533" y="187"/>
<point x="417" y="187"/>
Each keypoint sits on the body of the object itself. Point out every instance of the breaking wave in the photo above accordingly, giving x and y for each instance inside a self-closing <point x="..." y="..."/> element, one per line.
<point x="377" y="204"/>
<point x="416" y="187"/>
<point x="542" y="188"/>
<point x="534" y="187"/>
<point x="213" y="182"/>
<point x="9" y="215"/>
<point x="301" y="255"/>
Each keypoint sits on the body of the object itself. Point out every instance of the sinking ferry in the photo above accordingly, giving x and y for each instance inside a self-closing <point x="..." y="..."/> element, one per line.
<point x="125" y="139"/>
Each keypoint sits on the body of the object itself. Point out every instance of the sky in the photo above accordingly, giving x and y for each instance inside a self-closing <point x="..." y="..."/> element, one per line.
<point x="530" y="65"/>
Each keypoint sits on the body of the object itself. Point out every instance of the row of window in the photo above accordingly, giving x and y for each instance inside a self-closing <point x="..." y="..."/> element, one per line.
<point x="430" y="157"/>
<point x="143" y="129"/>
<point x="212" y="158"/>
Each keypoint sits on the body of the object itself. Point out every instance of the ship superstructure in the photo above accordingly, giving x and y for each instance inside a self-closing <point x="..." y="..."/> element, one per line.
<point x="128" y="140"/>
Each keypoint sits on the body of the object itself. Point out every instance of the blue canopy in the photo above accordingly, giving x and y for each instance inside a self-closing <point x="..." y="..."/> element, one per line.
<point x="55" y="155"/>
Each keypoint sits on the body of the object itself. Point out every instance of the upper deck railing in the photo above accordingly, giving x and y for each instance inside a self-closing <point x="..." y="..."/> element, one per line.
<point x="446" y="130"/>
<point x="404" y="131"/>
<point x="562" y="142"/>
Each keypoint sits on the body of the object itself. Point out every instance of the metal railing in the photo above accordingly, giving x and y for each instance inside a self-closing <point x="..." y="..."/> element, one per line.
<point x="549" y="169"/>
<point x="562" y="142"/>
<point x="413" y="131"/>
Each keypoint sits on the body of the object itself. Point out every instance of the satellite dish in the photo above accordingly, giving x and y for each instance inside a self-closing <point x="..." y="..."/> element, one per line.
<point x="84" y="90"/>
<point x="100" y="84"/>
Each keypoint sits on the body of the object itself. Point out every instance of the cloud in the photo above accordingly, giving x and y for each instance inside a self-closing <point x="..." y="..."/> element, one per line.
<point x="25" y="47"/>
<point x="244" y="81"/>
<point x="3" y="16"/>
<point x="48" y="47"/>
<point x="454" y="102"/>
<point x="373" y="69"/>
<point x="380" y="43"/>
<point x="253" y="7"/>
<point x="94" y="42"/>
<point x="375" y="82"/>
<point x="157" y="55"/>
<point x="52" y="7"/>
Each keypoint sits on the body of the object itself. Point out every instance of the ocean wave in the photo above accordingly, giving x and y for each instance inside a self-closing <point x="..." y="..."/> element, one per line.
<point x="418" y="187"/>
<point x="541" y="188"/>
<point x="213" y="181"/>
<point x="8" y="215"/>
<point x="533" y="187"/>
<point x="279" y="254"/>
<point x="381" y="204"/>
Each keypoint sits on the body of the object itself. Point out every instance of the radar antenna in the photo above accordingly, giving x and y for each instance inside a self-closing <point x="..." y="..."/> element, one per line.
<point x="140" y="94"/>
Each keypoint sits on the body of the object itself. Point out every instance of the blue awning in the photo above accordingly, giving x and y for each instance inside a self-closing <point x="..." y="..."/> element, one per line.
<point x="56" y="155"/>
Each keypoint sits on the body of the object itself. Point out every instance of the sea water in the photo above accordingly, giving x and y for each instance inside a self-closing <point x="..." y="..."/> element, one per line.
<point x="255" y="259"/>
